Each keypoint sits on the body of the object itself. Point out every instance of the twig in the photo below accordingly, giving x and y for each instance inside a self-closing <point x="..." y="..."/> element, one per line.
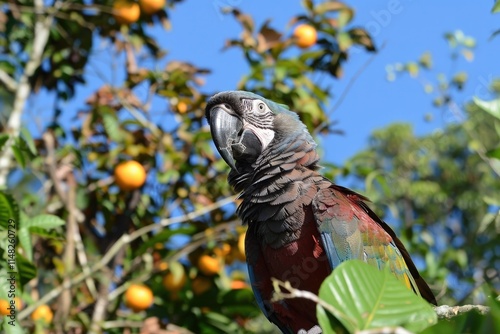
<point x="139" y="117"/>
<point x="117" y="246"/>
<point x="8" y="81"/>
<point x="295" y="293"/>
<point x="448" y="312"/>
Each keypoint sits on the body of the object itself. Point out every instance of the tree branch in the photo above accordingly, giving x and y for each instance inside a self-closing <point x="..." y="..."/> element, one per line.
<point x="117" y="246"/>
<point x="8" y="81"/>
<point x="448" y="312"/>
<point x="40" y="38"/>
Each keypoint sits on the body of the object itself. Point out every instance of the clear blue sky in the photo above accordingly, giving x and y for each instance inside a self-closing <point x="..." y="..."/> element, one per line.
<point x="199" y="32"/>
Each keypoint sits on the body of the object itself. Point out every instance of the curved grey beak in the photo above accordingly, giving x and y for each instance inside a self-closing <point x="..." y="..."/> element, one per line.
<point x="224" y="128"/>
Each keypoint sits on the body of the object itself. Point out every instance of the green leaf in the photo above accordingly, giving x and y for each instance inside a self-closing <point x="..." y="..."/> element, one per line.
<point x="18" y="154"/>
<point x="366" y="298"/>
<point x="345" y="16"/>
<point x="110" y="122"/>
<point x="26" y="270"/>
<point x="28" y="139"/>
<point x="3" y="139"/>
<point x="24" y="237"/>
<point x="13" y="327"/>
<point x="494" y="153"/>
<point x="496" y="7"/>
<point x="8" y="210"/>
<point x="492" y="107"/>
<point x="239" y="302"/>
<point x="44" y="221"/>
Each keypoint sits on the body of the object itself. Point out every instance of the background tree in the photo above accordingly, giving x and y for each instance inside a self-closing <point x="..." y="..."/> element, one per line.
<point x="100" y="248"/>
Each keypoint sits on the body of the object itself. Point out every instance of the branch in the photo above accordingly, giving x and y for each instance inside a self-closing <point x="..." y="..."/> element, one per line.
<point x="443" y="311"/>
<point x="8" y="81"/>
<point x="117" y="246"/>
<point x="23" y="89"/>
<point x="448" y="312"/>
<point x="295" y="293"/>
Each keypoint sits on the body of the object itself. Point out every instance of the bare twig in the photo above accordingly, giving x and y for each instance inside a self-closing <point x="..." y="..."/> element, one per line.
<point x="448" y="312"/>
<point x="8" y="81"/>
<point x="140" y="117"/>
<point x="117" y="246"/>
<point x="291" y="293"/>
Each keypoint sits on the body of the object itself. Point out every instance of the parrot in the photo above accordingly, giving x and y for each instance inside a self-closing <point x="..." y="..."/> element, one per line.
<point x="300" y="225"/>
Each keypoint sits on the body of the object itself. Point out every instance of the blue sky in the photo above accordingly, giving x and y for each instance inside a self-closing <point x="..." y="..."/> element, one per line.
<point x="406" y="29"/>
<point x="199" y="31"/>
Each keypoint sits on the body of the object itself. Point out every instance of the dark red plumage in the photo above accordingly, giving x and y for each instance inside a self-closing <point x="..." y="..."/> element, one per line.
<point x="303" y="263"/>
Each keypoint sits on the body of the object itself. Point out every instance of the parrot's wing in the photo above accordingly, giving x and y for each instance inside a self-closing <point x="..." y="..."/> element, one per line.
<point x="351" y="230"/>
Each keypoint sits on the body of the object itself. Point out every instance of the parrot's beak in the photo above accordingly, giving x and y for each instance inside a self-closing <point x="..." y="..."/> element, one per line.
<point x="225" y="129"/>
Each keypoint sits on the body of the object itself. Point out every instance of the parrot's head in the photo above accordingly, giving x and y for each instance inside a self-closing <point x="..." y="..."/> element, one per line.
<point x="244" y="124"/>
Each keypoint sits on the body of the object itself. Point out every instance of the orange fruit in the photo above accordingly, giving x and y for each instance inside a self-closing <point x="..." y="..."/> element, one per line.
<point x="42" y="313"/>
<point x="138" y="297"/>
<point x="5" y="304"/>
<point x="182" y="107"/>
<point x="151" y="6"/>
<point x="200" y="285"/>
<point x="126" y="11"/>
<point x="130" y="175"/>
<point x="173" y="282"/>
<point x="222" y="250"/>
<point x="238" y="284"/>
<point x="305" y="36"/>
<point x="209" y="265"/>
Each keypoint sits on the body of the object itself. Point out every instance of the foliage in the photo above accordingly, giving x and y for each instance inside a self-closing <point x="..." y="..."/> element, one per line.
<point x="382" y="301"/>
<point x="80" y="241"/>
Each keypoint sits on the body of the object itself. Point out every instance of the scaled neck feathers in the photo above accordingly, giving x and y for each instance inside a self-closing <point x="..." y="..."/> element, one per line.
<point x="277" y="186"/>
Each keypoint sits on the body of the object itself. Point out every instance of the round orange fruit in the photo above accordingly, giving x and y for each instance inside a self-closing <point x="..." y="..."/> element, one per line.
<point x="173" y="282"/>
<point x="138" y="297"/>
<point x="42" y="313"/>
<point x="238" y="284"/>
<point x="151" y="6"/>
<point x="130" y="175"/>
<point x="6" y="303"/>
<point x="209" y="265"/>
<point x="182" y="107"/>
<point x="126" y="11"/>
<point x="222" y="250"/>
<point x="305" y="36"/>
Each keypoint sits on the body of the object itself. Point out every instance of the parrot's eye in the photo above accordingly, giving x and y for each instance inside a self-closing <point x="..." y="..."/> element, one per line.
<point x="261" y="107"/>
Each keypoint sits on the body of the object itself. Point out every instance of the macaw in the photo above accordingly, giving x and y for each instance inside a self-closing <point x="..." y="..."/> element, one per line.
<point x="301" y="225"/>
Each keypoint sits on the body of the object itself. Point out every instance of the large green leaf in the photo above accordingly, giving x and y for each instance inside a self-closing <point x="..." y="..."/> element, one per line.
<point x="366" y="298"/>
<point x="8" y="210"/>
<point x="44" y="221"/>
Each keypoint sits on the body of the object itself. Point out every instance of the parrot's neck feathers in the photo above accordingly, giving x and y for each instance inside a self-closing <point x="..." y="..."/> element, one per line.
<point x="278" y="185"/>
